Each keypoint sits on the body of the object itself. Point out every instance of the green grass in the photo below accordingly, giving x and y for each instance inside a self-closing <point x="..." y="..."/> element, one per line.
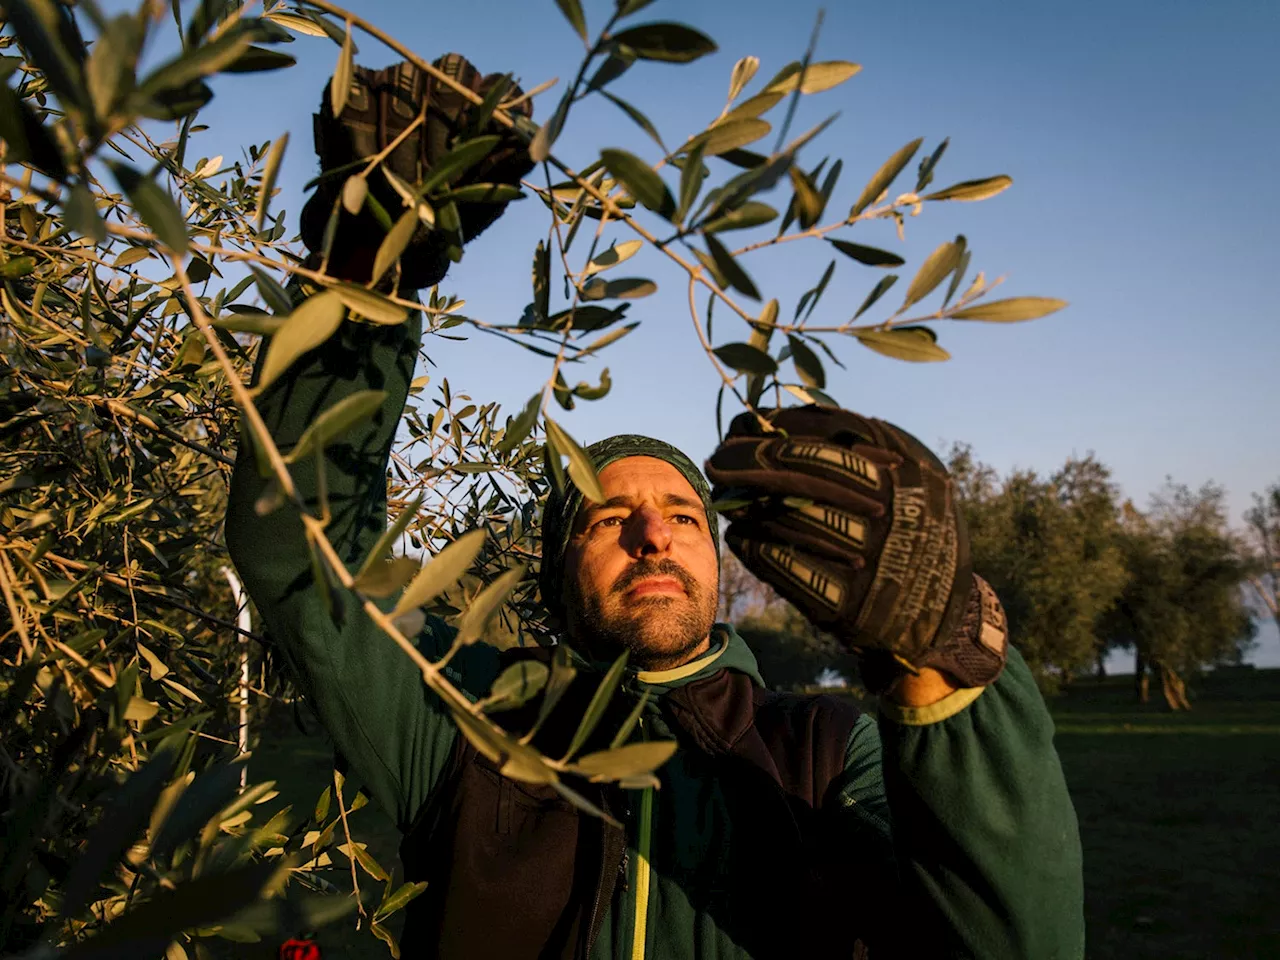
<point x="1179" y="818"/>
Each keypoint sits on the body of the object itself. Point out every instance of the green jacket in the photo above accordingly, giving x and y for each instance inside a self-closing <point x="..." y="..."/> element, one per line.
<point x="958" y="813"/>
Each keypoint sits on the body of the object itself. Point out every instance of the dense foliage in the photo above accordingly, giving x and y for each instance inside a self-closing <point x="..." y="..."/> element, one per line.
<point x="138" y="281"/>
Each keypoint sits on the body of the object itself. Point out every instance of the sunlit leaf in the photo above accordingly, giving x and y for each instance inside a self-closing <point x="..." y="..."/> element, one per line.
<point x="340" y="83"/>
<point x="630" y="760"/>
<point x="972" y="189"/>
<point x="370" y="304"/>
<point x="743" y="71"/>
<point x="442" y="571"/>
<point x="730" y="134"/>
<point x="614" y="256"/>
<point x="581" y="470"/>
<point x="816" y="77"/>
<point x="885" y="176"/>
<point x="394" y="244"/>
<point x="354" y="190"/>
<point x="933" y="271"/>
<point x="1011" y="310"/>
<point x="386" y="577"/>
<point x="403" y="895"/>
<point x="916" y="344"/>
<point x="314" y="321"/>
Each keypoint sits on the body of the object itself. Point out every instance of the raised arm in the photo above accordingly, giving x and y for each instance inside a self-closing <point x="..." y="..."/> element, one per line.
<point x="961" y="799"/>
<point x="394" y="732"/>
<point x="367" y="692"/>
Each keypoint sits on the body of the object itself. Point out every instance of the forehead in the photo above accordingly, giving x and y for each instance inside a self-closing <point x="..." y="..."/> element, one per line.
<point x="643" y="478"/>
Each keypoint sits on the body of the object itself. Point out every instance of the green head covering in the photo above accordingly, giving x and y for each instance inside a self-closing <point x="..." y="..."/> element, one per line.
<point x="562" y="509"/>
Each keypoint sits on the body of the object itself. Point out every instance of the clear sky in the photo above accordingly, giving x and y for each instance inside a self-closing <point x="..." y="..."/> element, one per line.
<point x="1141" y="137"/>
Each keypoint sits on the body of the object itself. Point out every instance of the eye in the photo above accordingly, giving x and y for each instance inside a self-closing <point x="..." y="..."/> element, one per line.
<point x="609" y="522"/>
<point x="684" y="518"/>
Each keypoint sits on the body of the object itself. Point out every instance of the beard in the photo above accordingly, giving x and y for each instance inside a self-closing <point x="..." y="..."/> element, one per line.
<point x="660" y="632"/>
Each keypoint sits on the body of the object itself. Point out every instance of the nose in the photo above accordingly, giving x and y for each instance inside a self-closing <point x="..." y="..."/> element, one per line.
<point x="646" y="533"/>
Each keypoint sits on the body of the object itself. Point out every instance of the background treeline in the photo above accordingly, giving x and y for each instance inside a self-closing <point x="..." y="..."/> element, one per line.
<point x="1082" y="573"/>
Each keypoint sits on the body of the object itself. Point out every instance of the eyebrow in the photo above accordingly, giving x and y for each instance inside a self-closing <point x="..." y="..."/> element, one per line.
<point x="668" y="500"/>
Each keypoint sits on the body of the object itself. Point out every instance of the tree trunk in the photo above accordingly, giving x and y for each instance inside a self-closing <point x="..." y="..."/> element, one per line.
<point x="1174" y="689"/>
<point x="1141" y="682"/>
<point x="1100" y="672"/>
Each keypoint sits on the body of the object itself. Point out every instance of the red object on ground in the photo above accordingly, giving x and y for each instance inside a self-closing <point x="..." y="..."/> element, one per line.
<point x="299" y="950"/>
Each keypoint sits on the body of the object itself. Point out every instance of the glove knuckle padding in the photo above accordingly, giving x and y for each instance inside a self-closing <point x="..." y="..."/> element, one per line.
<point x="379" y="107"/>
<point x="874" y="550"/>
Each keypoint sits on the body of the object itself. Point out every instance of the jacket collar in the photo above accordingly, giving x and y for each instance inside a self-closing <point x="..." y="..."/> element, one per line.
<point x="728" y="652"/>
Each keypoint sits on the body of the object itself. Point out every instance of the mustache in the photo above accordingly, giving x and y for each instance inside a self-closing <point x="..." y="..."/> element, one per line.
<point x="659" y="568"/>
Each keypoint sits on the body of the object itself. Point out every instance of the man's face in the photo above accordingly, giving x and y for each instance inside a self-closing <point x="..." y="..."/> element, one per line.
<point x="641" y="571"/>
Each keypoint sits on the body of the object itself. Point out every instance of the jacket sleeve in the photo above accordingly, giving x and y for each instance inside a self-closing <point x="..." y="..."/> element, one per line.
<point x="985" y="837"/>
<point x="394" y="732"/>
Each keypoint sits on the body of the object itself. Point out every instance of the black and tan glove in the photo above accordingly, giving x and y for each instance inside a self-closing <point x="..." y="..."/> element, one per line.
<point x="380" y="106"/>
<point x="855" y="522"/>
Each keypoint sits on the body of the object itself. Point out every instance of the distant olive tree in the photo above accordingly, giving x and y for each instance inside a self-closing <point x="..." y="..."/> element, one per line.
<point x="1183" y="607"/>
<point x="1263" y="532"/>
<point x="1050" y="547"/>
<point x="140" y="274"/>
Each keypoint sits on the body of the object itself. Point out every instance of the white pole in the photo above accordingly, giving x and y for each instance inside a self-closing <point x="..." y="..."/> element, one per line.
<point x="244" y="623"/>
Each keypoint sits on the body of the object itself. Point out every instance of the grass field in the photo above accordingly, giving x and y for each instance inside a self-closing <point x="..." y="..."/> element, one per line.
<point x="1179" y="817"/>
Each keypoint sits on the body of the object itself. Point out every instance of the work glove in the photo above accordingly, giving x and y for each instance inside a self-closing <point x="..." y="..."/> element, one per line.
<point x="381" y="104"/>
<point x="855" y="522"/>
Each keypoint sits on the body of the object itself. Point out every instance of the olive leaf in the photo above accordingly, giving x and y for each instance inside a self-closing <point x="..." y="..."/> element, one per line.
<point x="640" y="180"/>
<point x="154" y="205"/>
<point x="486" y="603"/>
<point x="916" y="344"/>
<point x="1012" y="310"/>
<point x="335" y="421"/>
<point x="871" y="256"/>
<point x="745" y="358"/>
<point x="972" y="189"/>
<point x="516" y="686"/>
<point x="934" y="270"/>
<point x="441" y="572"/>
<point x="596" y="708"/>
<point x="314" y="321"/>
<point x="581" y="470"/>
<point x="669" y="42"/>
<point x="885" y="176"/>
<point x="630" y="760"/>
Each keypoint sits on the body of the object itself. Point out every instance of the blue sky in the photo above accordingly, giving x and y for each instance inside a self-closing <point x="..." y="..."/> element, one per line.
<point x="1141" y="138"/>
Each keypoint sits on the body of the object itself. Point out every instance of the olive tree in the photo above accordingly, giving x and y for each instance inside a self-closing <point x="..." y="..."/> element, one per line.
<point x="138" y="283"/>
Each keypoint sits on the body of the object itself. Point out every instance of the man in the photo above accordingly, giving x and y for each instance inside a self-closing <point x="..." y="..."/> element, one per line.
<point x="784" y="825"/>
